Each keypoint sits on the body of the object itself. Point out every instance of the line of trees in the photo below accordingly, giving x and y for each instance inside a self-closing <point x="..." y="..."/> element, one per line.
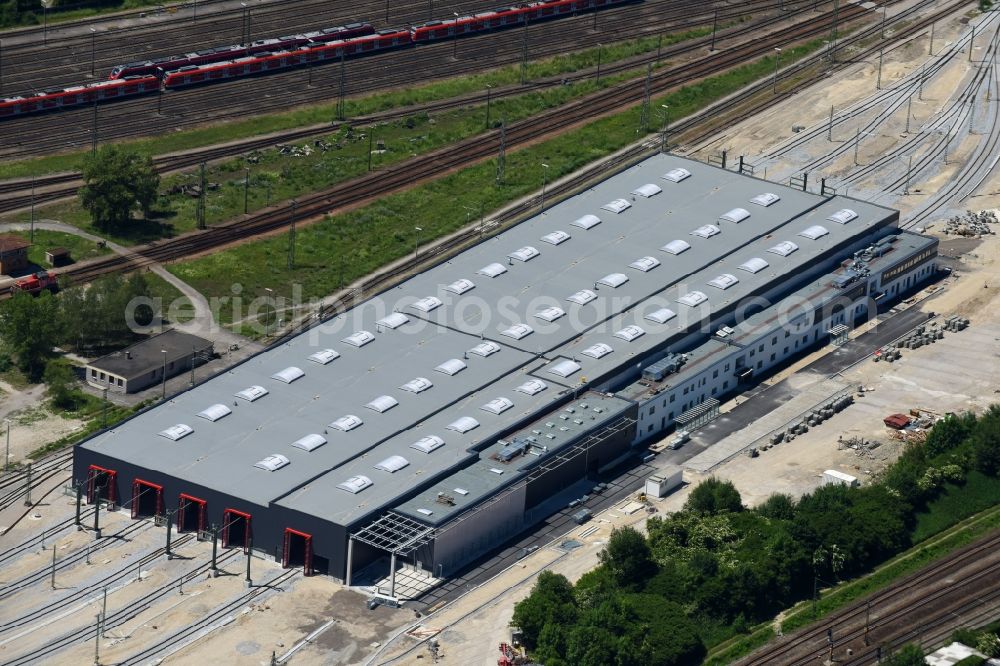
<point x="716" y="568"/>
<point x="89" y="319"/>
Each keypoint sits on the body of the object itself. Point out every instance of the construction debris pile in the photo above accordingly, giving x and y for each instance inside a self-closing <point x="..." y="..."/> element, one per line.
<point x="863" y="447"/>
<point x="971" y="224"/>
<point x="811" y="419"/>
<point x="922" y="335"/>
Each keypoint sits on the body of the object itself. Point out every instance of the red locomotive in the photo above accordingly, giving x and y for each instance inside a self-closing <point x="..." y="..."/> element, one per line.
<point x="36" y="282"/>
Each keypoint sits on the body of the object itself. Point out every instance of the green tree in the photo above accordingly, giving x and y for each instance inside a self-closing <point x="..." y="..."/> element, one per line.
<point x="28" y="330"/>
<point x="59" y="380"/>
<point x="908" y="655"/>
<point x="116" y="182"/>
<point x="628" y="558"/>
<point x="551" y="601"/>
<point x="97" y="318"/>
<point x="949" y="433"/>
<point x="778" y="506"/>
<point x="714" y="496"/>
<point x="986" y="442"/>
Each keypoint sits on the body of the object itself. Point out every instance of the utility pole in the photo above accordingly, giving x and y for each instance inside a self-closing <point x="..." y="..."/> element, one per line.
<point x="97" y="642"/>
<point x="909" y="103"/>
<point x="524" y="53"/>
<point x="27" y="486"/>
<point x="97" y="517"/>
<point x="829" y="127"/>
<point x="79" y="501"/>
<point x="777" y="59"/>
<point x="857" y="140"/>
<point x="666" y="126"/>
<point x="93" y="37"/>
<point x="200" y="214"/>
<point x="920" y="85"/>
<point x="246" y="191"/>
<point x="166" y="550"/>
<point x="104" y="610"/>
<point x="878" y="81"/>
<point x="644" y="115"/>
<point x="930" y="50"/>
<point x="715" y="25"/>
<point x="600" y="52"/>
<point x="972" y="42"/>
<point x="884" y="4"/>
<point x="104" y="409"/>
<point x="545" y="181"/>
<point x="249" y="555"/>
<point x="909" y="168"/>
<point x="53" y="581"/>
<point x="868" y="613"/>
<point x="341" y="103"/>
<point x="833" y="31"/>
<point x="371" y="136"/>
<point x="502" y="155"/>
<point x="215" y="550"/>
<point x="291" y="238"/>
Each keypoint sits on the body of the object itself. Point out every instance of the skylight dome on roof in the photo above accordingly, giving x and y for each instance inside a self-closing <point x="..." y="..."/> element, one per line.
<point x="724" y="281"/>
<point x="417" y="385"/>
<point x="815" y="232"/>
<point x="784" y="248"/>
<point x="550" y="313"/>
<point x="677" y="175"/>
<point x="463" y="424"/>
<point x="359" y="338"/>
<point x="755" y="265"/>
<point x="843" y="216"/>
<point x="493" y="270"/>
<point x="485" y="348"/>
<point x="630" y="333"/>
<point x="599" y="350"/>
<point x="586" y="222"/>
<point x="176" y="432"/>
<point x="497" y="405"/>
<point x="310" y="442"/>
<point x="215" y="412"/>
<point x="532" y="387"/>
<point x="661" y="316"/>
<point x="394" y="320"/>
<point x="251" y="393"/>
<point x="676" y="247"/>
<point x="324" y="356"/>
<point x="647" y="190"/>
<point x="452" y="366"/>
<point x="693" y="298"/>
<point x="355" y="484"/>
<point x="273" y="462"/>
<point x="526" y="253"/>
<point x="347" y="423"/>
<point x="564" y="368"/>
<point x="460" y="286"/>
<point x="428" y="443"/>
<point x="382" y="404"/>
<point x="706" y="231"/>
<point x="582" y="297"/>
<point x="556" y="237"/>
<point x="428" y="303"/>
<point x="617" y="206"/>
<point x="392" y="464"/>
<point x="765" y="199"/>
<point x="518" y="331"/>
<point x="736" y="215"/>
<point x="289" y="374"/>
<point x="614" y="280"/>
<point x="645" y="264"/>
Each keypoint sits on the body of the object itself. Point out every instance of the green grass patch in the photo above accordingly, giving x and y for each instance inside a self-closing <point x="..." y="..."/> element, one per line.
<point x="733" y="649"/>
<point x="325" y="113"/>
<point x="114" y="414"/>
<point x="978" y="493"/>
<point x="12" y="375"/>
<point x="175" y="306"/>
<point x="903" y="564"/>
<point x="80" y="249"/>
<point x="340" y="249"/>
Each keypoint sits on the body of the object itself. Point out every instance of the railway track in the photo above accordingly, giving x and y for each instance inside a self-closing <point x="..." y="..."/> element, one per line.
<point x="239" y="98"/>
<point x="22" y="193"/>
<point x="14" y="485"/>
<point x="970" y="569"/>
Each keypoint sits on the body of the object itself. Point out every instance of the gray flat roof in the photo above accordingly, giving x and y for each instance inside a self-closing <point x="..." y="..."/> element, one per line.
<point x="222" y="454"/>
<point x="144" y="356"/>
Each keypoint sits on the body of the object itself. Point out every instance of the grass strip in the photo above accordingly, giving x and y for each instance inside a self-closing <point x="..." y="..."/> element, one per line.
<point x="340" y="249"/>
<point x="217" y="133"/>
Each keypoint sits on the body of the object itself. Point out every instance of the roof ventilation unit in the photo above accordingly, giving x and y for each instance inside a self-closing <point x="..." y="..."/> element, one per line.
<point x="677" y="175"/>
<point x="645" y="264"/>
<point x="497" y="405"/>
<point x="755" y="265"/>
<point x="784" y="248"/>
<point x="347" y="423"/>
<point x="564" y="368"/>
<point x="532" y="387"/>
<point x="630" y="333"/>
<point x="556" y="237"/>
<point x="393" y="464"/>
<point x="324" y="356"/>
<point x="613" y="280"/>
<point x="616" y="206"/>
<point x="693" y="298"/>
<point x="586" y="222"/>
<point x="736" y="215"/>
<point x="724" y="281"/>
<point x="452" y="366"/>
<point x="582" y="297"/>
<point x="518" y="331"/>
<point x="661" y="316"/>
<point x="310" y="442"/>
<point x="460" y="286"/>
<point x="358" y="338"/>
<point x="215" y="412"/>
<point x="670" y="364"/>
<point x="273" y="462"/>
<point x="647" y="190"/>
<point x="815" y="232"/>
<point x="427" y="444"/>
<point x="289" y="374"/>
<point x="463" y="424"/>
<point x="765" y="199"/>
<point x="176" y="432"/>
<point x="676" y="247"/>
<point x="517" y="448"/>
<point x="251" y="393"/>
<point x="418" y="384"/>
<point x="600" y="350"/>
<point x="485" y="349"/>
<point x="550" y="313"/>
<point x="843" y="216"/>
<point x="492" y="270"/>
<point x="526" y="253"/>
<point x="382" y="404"/>
<point x="427" y="303"/>
<point x="355" y="484"/>
<point x="393" y="321"/>
<point x="706" y="231"/>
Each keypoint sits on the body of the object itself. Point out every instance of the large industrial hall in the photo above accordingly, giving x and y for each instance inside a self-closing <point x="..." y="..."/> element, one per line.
<point x="435" y="421"/>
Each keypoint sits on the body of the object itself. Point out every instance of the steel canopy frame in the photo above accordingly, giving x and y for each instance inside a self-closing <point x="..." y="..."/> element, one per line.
<point x="395" y="533"/>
